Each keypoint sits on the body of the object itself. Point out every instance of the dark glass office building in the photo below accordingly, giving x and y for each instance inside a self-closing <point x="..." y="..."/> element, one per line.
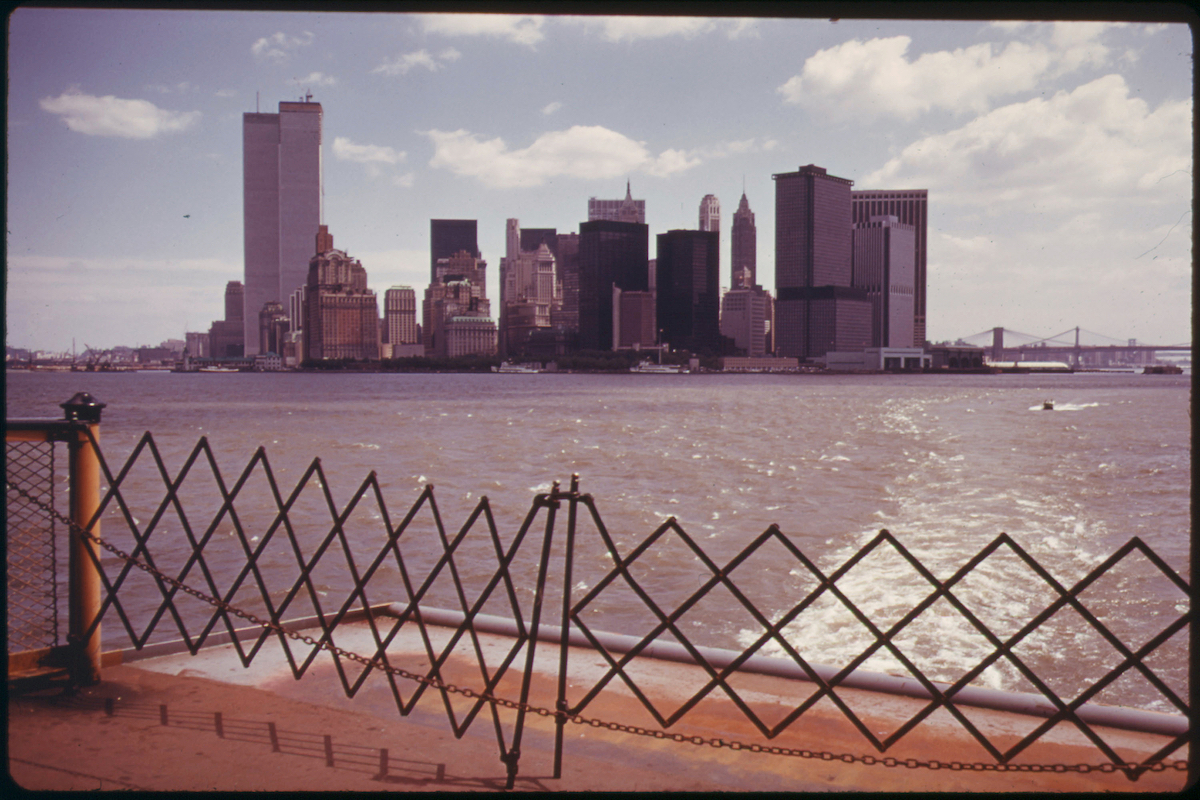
<point x="910" y="207"/>
<point x="447" y="237"/>
<point x="689" y="293"/>
<point x="816" y="309"/>
<point x="610" y="254"/>
<point x="532" y="238"/>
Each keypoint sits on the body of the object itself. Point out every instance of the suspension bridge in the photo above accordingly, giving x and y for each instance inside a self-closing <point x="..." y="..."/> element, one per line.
<point x="1076" y="346"/>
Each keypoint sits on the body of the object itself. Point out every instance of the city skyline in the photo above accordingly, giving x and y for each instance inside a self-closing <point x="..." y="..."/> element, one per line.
<point x="1057" y="157"/>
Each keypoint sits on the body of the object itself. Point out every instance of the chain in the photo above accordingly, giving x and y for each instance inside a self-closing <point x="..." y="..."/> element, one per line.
<point x="488" y="697"/>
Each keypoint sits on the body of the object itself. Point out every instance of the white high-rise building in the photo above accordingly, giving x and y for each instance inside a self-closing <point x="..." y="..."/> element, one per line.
<point x="710" y="213"/>
<point x="400" y="315"/>
<point x="281" y="204"/>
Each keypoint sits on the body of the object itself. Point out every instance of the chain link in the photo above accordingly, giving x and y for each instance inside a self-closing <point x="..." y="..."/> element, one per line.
<point x="753" y="747"/>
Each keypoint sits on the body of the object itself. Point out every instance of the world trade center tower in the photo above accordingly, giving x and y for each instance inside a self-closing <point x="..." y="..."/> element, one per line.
<point x="281" y="205"/>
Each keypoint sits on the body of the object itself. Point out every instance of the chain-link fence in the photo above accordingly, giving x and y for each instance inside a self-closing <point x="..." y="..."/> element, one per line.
<point x="32" y="591"/>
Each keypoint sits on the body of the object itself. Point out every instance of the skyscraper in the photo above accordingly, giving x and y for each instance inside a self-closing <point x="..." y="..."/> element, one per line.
<point x="633" y="320"/>
<point x="817" y="309"/>
<point x="342" y="315"/>
<point x="449" y="236"/>
<point x="226" y="338"/>
<point x="883" y="268"/>
<point x="710" y="220"/>
<point x="910" y="207"/>
<point x="627" y="210"/>
<point x="688" y="289"/>
<point x="529" y="292"/>
<point x="710" y="213"/>
<point x="567" y="263"/>
<point x="743" y="243"/>
<point x="400" y="315"/>
<point x="532" y="238"/>
<point x="456" y="312"/>
<point x="610" y="254"/>
<point x="743" y="319"/>
<point x="281" y="205"/>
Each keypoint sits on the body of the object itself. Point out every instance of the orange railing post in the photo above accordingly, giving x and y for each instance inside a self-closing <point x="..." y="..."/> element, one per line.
<point x="85" y="589"/>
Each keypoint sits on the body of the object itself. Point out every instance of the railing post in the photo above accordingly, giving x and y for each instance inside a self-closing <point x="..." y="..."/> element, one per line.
<point x="84" y="593"/>
<point x="512" y="757"/>
<point x="560" y="704"/>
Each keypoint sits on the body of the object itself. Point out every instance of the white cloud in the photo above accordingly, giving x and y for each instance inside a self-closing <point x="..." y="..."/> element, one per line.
<point x="400" y="65"/>
<point x="113" y="116"/>
<point x="670" y="162"/>
<point x="518" y="29"/>
<point x="636" y="28"/>
<point x="550" y="108"/>
<point x="629" y="29"/>
<point x="744" y="28"/>
<point x="1092" y="145"/>
<point x="1082" y="195"/>
<point x="226" y="93"/>
<point x="405" y="180"/>
<point x="279" y="47"/>
<point x="315" y="79"/>
<point x="346" y="150"/>
<point x="373" y="157"/>
<point x="1077" y="44"/>
<point x="588" y="152"/>
<point x="877" y="78"/>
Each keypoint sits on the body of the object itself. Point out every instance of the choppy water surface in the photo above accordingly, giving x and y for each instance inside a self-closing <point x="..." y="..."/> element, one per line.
<point x="944" y="463"/>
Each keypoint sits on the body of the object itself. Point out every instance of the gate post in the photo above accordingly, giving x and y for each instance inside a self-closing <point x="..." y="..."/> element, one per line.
<point x="84" y="598"/>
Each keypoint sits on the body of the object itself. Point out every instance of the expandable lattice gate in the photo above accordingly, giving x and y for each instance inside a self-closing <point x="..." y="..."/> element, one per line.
<point x="191" y="552"/>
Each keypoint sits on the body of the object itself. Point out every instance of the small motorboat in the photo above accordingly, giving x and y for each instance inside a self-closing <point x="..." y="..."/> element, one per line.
<point x="1047" y="405"/>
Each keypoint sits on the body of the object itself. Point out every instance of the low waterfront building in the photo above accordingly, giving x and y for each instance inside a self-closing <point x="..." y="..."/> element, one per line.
<point x="197" y="344"/>
<point x="947" y="356"/>
<point x="877" y="359"/>
<point x="469" y="335"/>
<point x="758" y="364"/>
<point x="268" y="362"/>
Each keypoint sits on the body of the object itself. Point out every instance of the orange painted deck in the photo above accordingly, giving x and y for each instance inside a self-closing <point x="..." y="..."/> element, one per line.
<point x="59" y="742"/>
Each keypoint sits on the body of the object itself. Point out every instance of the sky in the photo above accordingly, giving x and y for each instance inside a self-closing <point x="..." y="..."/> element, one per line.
<point x="1057" y="155"/>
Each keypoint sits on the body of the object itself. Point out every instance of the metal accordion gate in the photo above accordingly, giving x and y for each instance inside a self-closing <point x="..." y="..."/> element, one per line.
<point x="196" y="554"/>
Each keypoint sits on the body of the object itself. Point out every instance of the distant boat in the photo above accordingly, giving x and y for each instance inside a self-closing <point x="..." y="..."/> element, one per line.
<point x="657" y="369"/>
<point x="1048" y="405"/>
<point x="1163" y="369"/>
<point x="521" y="369"/>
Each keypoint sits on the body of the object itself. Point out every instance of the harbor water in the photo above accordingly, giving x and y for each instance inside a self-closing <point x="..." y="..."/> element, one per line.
<point x="945" y="463"/>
